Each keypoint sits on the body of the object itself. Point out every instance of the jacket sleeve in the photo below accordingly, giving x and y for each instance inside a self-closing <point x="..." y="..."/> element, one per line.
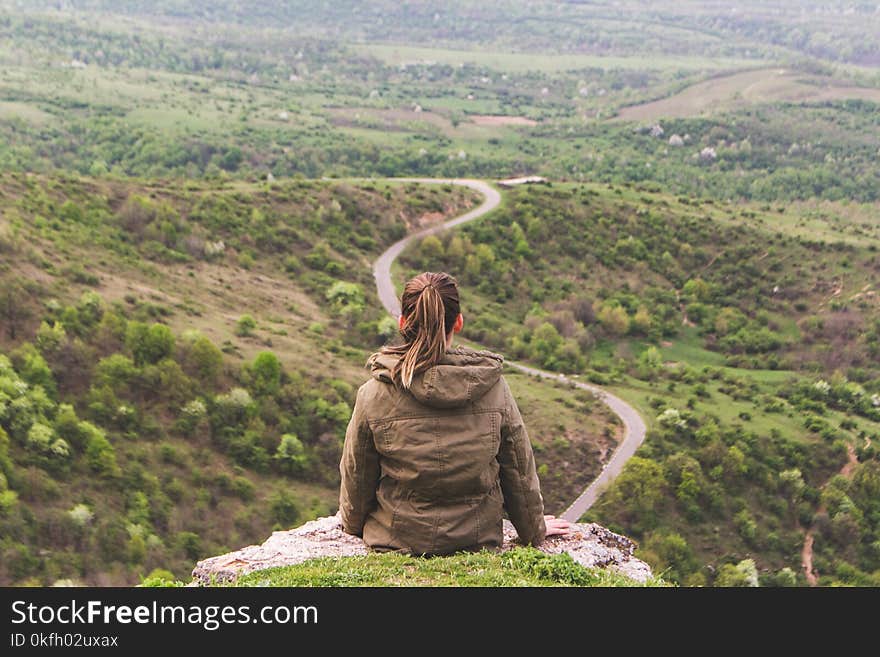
<point x="519" y="479"/>
<point x="359" y="471"/>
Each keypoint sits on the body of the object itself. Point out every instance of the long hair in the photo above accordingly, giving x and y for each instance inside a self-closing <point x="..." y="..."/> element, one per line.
<point x="429" y="305"/>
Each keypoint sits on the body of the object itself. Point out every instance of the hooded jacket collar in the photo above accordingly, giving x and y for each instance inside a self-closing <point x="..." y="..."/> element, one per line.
<point x="462" y="376"/>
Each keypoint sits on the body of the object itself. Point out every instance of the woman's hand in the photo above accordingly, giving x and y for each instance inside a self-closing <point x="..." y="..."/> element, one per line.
<point x="556" y="526"/>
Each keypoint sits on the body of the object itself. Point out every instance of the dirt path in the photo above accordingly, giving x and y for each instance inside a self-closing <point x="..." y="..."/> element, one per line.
<point x="634" y="426"/>
<point x="807" y="552"/>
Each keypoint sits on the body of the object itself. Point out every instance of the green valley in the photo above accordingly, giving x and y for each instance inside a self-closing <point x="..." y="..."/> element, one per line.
<point x="192" y="195"/>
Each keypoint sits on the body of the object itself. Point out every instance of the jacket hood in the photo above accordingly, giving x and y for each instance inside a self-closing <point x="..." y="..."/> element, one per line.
<point x="462" y="376"/>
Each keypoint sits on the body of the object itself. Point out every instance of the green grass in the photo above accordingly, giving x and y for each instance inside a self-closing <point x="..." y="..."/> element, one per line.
<point x="518" y="567"/>
<point x="751" y="414"/>
<point x="29" y="113"/>
<point x="742" y="89"/>
<point x="688" y="351"/>
<point x="521" y="62"/>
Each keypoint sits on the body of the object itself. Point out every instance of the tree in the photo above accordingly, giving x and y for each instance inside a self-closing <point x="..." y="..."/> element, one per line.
<point x="33" y="368"/>
<point x="696" y="289"/>
<point x="386" y="327"/>
<point x="149" y="344"/>
<point x="743" y="574"/>
<point x="266" y="373"/>
<point x="673" y="555"/>
<point x="642" y="322"/>
<point x="14" y="307"/>
<point x="793" y="484"/>
<point x="290" y="455"/>
<point x="784" y="577"/>
<point x="100" y="454"/>
<point x="650" y="363"/>
<point x="199" y="357"/>
<point x="283" y="507"/>
<point x="640" y="486"/>
<point x="347" y="300"/>
<point x="613" y="319"/>
<point x="521" y="244"/>
<point x="50" y="338"/>
<point x="546" y="341"/>
<point x="729" y="320"/>
<point x="90" y="308"/>
<point x="431" y="249"/>
<point x="583" y="310"/>
<point x="734" y="462"/>
<point x="746" y="526"/>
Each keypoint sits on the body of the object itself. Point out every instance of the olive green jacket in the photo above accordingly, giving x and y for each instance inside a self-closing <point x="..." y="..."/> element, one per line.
<point x="430" y="470"/>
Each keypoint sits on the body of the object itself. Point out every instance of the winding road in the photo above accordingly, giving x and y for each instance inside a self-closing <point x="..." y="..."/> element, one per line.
<point x="633" y="426"/>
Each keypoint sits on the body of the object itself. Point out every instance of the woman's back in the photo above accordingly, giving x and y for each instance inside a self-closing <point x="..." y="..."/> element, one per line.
<point x="430" y="469"/>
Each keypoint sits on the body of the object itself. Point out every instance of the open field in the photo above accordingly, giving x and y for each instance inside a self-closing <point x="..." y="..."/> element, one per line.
<point x="404" y="55"/>
<point x="739" y="90"/>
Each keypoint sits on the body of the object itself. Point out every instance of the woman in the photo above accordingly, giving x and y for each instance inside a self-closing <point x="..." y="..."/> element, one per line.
<point x="436" y="448"/>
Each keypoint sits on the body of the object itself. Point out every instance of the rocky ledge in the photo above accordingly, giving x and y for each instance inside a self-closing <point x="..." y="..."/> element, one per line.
<point x="589" y="544"/>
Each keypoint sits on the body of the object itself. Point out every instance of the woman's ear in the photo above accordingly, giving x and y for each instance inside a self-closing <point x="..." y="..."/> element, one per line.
<point x="401" y="322"/>
<point x="459" y="324"/>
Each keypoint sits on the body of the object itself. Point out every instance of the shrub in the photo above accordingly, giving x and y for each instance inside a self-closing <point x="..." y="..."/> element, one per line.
<point x="116" y="371"/>
<point x="245" y="326"/>
<point x="8" y="501"/>
<point x="244" y="488"/>
<point x="266" y="373"/>
<point x="190" y="544"/>
<point x="100" y="454"/>
<point x="149" y="344"/>
<point x="745" y="573"/>
<point x="283" y="508"/>
<point x="200" y="358"/>
<point x="81" y="515"/>
<point x="50" y="338"/>
<point x="33" y="368"/>
<point x="159" y="577"/>
<point x="290" y="455"/>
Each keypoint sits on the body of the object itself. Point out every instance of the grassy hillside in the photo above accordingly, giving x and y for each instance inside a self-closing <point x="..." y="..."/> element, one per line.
<point x="750" y="349"/>
<point x="178" y="362"/>
<point x="186" y="303"/>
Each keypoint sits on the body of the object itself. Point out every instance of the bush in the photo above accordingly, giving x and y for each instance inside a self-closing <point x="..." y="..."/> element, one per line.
<point x="244" y="488"/>
<point x="245" y="326"/>
<point x="290" y="456"/>
<point x="149" y="344"/>
<point x="190" y="544"/>
<point x="265" y="373"/>
<point x="100" y="454"/>
<point x="283" y="509"/>
<point x="743" y="574"/>
<point x="160" y="577"/>
<point x="200" y="358"/>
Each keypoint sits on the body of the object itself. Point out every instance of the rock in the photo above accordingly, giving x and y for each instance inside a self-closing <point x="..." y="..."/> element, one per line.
<point x="589" y="544"/>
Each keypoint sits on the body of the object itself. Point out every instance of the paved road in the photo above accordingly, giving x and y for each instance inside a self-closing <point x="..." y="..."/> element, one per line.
<point x="382" y="266"/>
<point x="633" y="425"/>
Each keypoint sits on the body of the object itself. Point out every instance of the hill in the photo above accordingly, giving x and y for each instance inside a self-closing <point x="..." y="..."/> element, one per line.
<point x="179" y="360"/>
<point x="186" y="301"/>
<point x="748" y="343"/>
